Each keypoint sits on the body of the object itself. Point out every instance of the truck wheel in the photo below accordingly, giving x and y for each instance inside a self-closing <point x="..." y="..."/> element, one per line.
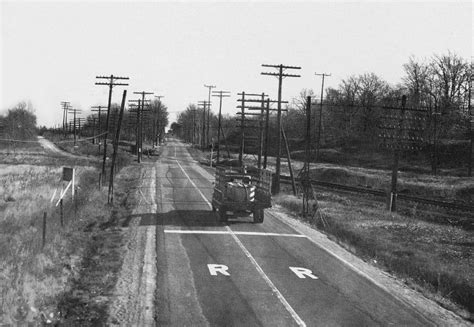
<point x="258" y="216"/>
<point x="223" y="214"/>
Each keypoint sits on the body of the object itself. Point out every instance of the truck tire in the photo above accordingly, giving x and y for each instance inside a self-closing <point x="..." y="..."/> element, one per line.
<point x="258" y="215"/>
<point x="223" y="214"/>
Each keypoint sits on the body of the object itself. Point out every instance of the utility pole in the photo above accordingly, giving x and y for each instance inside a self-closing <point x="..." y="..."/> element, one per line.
<point x="203" y="104"/>
<point x="194" y="126"/>
<point x="471" y="122"/>
<point x="156" y="122"/>
<point x="140" y="123"/>
<point x="267" y="121"/>
<point x="110" y="197"/>
<point x="242" y="130"/>
<point x="254" y="102"/>
<point x="280" y="75"/>
<point x="209" y="110"/>
<point x="98" y="109"/>
<point x="65" y="107"/>
<point x="74" y="123"/>
<point x="318" y="144"/>
<point x="135" y="108"/>
<point x="220" y="94"/>
<point x="111" y="82"/>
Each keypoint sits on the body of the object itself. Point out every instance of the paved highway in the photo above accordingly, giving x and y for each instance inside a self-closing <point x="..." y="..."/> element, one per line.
<point x="245" y="274"/>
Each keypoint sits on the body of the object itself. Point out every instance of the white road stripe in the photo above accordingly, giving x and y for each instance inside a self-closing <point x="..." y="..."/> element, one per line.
<point x="180" y="231"/>
<point x="275" y="290"/>
<point x="202" y="195"/>
<point x="280" y="297"/>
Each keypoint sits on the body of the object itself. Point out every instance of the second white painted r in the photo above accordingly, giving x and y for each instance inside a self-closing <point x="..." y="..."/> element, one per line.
<point x="214" y="269"/>
<point x="303" y="272"/>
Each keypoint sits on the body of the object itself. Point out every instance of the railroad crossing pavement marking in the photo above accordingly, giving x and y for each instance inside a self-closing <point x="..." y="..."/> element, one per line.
<point x="280" y="297"/>
<point x="300" y="272"/>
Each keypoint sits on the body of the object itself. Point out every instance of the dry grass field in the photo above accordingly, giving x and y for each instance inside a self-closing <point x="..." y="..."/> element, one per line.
<point x="30" y="274"/>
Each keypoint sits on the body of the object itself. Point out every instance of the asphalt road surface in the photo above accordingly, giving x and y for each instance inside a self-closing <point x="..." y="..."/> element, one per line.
<point x="245" y="274"/>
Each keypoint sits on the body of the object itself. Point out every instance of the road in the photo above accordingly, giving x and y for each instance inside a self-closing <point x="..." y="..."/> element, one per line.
<point x="245" y="274"/>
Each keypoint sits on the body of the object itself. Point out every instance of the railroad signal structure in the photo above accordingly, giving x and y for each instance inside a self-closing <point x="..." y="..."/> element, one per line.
<point x="401" y="129"/>
<point x="111" y="82"/>
<point x="280" y="74"/>
<point x="221" y="94"/>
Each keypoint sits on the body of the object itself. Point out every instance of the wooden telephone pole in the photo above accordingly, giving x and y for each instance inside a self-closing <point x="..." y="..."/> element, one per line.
<point x="74" y="122"/>
<point x="280" y="74"/>
<point x="318" y="144"/>
<point x="111" y="82"/>
<point x="220" y="94"/>
<point x="157" y="128"/>
<point x="140" y="122"/>
<point x="208" y="111"/>
<point x="203" y="105"/>
<point x="66" y="105"/>
<point x="98" y="109"/>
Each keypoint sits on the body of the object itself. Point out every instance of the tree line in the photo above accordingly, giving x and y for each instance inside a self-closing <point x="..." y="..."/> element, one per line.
<point x="19" y="123"/>
<point x="352" y="112"/>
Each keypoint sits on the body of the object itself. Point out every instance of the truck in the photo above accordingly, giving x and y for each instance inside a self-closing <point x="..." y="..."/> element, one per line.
<point x="240" y="190"/>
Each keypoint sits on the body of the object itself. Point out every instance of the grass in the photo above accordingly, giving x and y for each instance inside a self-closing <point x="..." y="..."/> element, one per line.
<point x="28" y="273"/>
<point x="37" y="278"/>
<point x="436" y="259"/>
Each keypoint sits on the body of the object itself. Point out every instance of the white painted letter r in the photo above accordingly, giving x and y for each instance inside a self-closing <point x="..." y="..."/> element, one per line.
<point x="214" y="269"/>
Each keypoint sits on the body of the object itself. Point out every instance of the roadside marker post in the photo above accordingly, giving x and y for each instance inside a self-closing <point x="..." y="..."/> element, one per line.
<point x="68" y="176"/>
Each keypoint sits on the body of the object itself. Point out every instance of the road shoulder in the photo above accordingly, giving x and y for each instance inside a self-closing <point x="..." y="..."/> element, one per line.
<point x="429" y="309"/>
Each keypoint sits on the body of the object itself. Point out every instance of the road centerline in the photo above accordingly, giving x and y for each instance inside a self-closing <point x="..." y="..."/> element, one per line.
<point x="254" y="262"/>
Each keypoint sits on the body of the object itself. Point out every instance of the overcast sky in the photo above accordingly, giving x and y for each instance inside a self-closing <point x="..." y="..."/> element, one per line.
<point x="52" y="51"/>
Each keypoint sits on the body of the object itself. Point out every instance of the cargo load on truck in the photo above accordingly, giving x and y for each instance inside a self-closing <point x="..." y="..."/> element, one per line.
<point x="242" y="189"/>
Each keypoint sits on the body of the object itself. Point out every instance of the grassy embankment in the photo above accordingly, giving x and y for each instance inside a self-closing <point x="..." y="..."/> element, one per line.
<point x="433" y="258"/>
<point x="34" y="279"/>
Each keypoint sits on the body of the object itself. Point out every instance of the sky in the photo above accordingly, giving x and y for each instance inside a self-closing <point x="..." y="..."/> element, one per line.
<point x="52" y="51"/>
